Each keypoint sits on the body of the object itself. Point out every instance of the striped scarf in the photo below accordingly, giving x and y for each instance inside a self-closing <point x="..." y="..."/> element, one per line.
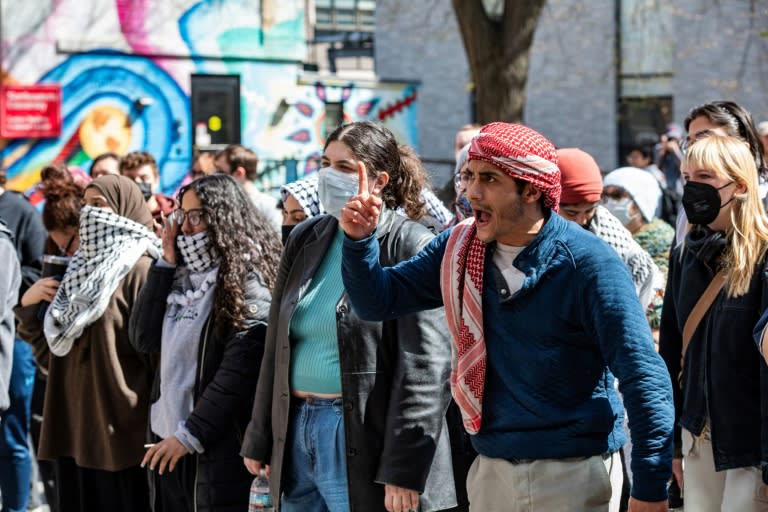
<point x="461" y="282"/>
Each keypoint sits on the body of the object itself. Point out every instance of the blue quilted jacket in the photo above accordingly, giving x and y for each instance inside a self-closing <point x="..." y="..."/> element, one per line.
<point x="553" y="349"/>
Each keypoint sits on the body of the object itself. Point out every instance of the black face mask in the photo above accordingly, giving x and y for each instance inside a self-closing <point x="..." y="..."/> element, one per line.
<point x="146" y="189"/>
<point x="286" y="230"/>
<point x="701" y="202"/>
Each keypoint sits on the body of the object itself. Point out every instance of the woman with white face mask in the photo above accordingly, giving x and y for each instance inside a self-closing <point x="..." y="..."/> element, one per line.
<point x="350" y="413"/>
<point x="204" y="310"/>
<point x="632" y="195"/>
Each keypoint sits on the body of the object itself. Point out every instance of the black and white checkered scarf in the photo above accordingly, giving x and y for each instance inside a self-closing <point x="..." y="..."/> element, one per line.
<point x="110" y="246"/>
<point x="197" y="252"/>
<point x="305" y="191"/>
<point x="646" y="276"/>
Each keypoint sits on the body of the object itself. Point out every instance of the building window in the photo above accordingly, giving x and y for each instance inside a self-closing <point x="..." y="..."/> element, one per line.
<point x="345" y="15"/>
<point x="641" y="121"/>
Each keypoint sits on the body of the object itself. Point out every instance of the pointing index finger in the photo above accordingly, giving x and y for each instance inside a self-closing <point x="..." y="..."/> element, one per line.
<point x="362" y="179"/>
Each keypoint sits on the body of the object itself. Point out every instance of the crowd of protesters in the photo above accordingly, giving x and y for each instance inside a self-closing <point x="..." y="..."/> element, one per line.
<point x="553" y="337"/>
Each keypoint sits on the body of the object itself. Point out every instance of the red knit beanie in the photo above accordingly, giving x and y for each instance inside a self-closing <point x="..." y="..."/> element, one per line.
<point x="580" y="177"/>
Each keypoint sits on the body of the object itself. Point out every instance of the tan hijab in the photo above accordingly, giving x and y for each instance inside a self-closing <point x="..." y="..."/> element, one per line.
<point x="124" y="197"/>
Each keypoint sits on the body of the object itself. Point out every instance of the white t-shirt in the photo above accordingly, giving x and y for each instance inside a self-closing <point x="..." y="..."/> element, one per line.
<point x="503" y="257"/>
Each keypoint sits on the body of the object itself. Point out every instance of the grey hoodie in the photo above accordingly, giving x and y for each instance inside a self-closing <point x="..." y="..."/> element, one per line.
<point x="10" y="281"/>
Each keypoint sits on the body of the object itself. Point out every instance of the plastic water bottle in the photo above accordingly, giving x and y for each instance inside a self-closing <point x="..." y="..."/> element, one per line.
<point x="259" y="500"/>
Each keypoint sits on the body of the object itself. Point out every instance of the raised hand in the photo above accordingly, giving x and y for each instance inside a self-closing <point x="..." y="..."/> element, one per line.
<point x="360" y="215"/>
<point x="169" y="232"/>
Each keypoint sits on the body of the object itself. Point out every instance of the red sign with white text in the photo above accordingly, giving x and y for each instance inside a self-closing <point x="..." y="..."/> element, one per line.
<point x="30" y="111"/>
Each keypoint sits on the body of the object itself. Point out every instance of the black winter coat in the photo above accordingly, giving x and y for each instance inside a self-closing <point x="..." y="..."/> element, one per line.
<point x="725" y="379"/>
<point x="394" y="379"/>
<point x="227" y="371"/>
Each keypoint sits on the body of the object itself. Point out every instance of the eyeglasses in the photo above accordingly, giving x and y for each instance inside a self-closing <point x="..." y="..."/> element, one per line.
<point x="460" y="180"/>
<point x="194" y="216"/>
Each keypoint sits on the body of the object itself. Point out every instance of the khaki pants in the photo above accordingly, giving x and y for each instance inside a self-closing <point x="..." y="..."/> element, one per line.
<point x="563" y="485"/>
<point x="706" y="490"/>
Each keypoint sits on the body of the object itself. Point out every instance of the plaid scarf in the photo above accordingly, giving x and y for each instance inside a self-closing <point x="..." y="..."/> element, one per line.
<point x="461" y="282"/>
<point x="110" y="245"/>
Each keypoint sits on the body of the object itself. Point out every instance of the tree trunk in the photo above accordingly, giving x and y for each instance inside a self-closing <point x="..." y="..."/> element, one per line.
<point x="498" y="55"/>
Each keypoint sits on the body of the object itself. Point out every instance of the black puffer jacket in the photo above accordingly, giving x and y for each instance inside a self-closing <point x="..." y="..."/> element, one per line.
<point x="394" y="379"/>
<point x="227" y="371"/>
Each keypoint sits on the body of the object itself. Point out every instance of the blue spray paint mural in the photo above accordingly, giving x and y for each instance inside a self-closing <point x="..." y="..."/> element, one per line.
<point x="149" y="50"/>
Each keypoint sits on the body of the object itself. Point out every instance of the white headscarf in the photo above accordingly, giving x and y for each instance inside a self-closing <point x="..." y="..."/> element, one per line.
<point x="641" y="185"/>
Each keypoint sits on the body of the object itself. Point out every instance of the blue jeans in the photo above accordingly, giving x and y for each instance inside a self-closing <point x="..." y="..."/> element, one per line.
<point x="15" y="456"/>
<point x="315" y="468"/>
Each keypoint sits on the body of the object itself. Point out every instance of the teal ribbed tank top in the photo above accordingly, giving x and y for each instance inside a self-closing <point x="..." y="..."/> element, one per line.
<point x="315" y="366"/>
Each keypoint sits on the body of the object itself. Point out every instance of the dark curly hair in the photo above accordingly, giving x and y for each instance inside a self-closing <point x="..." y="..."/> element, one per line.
<point x="243" y="238"/>
<point x="377" y="148"/>
<point x="63" y="197"/>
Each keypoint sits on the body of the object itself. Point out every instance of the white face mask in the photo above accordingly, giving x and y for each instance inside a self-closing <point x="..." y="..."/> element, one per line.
<point x="335" y="188"/>
<point x="620" y="208"/>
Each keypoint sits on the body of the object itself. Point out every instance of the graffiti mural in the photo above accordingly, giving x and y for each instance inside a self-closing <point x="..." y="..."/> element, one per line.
<point x="125" y="66"/>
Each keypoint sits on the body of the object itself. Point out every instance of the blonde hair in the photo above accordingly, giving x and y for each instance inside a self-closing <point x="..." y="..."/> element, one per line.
<point x="747" y="236"/>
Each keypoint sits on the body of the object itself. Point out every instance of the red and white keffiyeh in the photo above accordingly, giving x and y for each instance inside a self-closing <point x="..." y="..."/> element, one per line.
<point x="461" y="282"/>
<point x="522" y="153"/>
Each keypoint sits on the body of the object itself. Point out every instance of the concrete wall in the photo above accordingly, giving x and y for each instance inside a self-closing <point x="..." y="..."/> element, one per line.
<point x="720" y="54"/>
<point x="572" y="80"/>
<point x="421" y="41"/>
<point x="572" y="93"/>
